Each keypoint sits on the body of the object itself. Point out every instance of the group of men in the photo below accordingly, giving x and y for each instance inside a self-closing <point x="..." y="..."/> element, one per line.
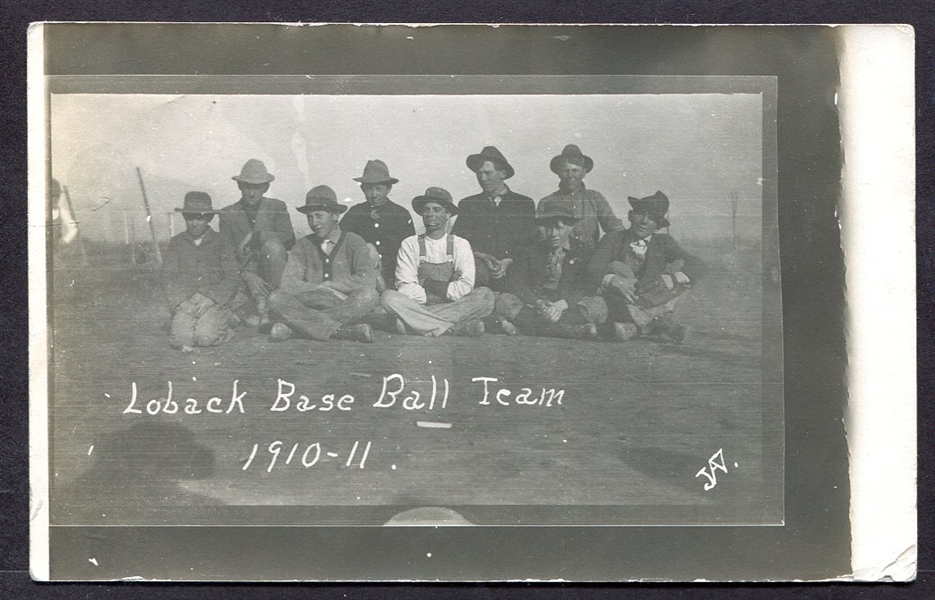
<point x="505" y="265"/>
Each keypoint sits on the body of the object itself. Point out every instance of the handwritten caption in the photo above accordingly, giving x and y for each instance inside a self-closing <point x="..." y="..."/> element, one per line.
<point x="715" y="464"/>
<point x="394" y="393"/>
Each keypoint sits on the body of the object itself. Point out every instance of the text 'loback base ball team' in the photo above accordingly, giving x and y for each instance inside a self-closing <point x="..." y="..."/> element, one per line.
<point x="505" y="266"/>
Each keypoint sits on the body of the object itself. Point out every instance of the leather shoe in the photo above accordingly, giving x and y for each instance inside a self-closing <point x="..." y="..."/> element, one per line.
<point x="354" y="333"/>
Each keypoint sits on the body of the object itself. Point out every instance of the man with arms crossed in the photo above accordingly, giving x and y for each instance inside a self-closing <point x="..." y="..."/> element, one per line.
<point x="435" y="277"/>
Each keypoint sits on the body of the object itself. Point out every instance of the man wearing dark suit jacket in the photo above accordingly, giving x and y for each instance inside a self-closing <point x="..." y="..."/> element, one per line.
<point x="499" y="223"/>
<point x="644" y="273"/>
<point x="548" y="282"/>
<point x="381" y="222"/>
<point x="261" y="232"/>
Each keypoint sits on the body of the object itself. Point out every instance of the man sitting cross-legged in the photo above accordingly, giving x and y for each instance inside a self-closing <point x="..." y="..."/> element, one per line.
<point x="435" y="277"/>
<point x="644" y="273"/>
<point x="329" y="280"/>
<point x="547" y="283"/>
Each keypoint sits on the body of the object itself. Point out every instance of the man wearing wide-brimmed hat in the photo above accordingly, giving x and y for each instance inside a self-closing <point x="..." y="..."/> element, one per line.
<point x="548" y="283"/>
<point x="200" y="277"/>
<point x="591" y="208"/>
<point x="435" y="276"/>
<point x="499" y="223"/>
<point x="643" y="273"/>
<point x="329" y="281"/>
<point x="261" y="233"/>
<point x="381" y="222"/>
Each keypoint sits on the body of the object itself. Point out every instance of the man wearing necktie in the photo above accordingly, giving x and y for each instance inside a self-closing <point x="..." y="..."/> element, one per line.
<point x="642" y="274"/>
<point x="329" y="280"/>
<point x="499" y="223"/>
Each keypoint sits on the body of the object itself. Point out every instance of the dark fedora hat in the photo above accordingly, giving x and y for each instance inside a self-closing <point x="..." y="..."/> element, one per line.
<point x="375" y="172"/>
<point x="656" y="206"/>
<point x="321" y="197"/>
<point x="476" y="161"/>
<point x="556" y="209"/>
<point x="572" y="154"/>
<point x="196" y="203"/>
<point x="437" y="195"/>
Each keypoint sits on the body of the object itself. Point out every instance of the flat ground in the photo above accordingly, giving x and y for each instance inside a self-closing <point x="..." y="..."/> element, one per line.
<point x="635" y="423"/>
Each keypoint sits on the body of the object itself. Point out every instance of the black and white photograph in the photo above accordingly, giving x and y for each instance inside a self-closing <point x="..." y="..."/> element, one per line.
<point x="408" y="301"/>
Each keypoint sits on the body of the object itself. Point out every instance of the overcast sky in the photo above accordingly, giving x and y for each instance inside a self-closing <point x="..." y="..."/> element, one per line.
<point x="696" y="148"/>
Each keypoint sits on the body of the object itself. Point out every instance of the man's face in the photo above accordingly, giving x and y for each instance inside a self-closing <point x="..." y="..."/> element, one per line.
<point x="570" y="176"/>
<point x="376" y="193"/>
<point x="434" y="216"/>
<point x="197" y="223"/>
<point x="642" y="224"/>
<point x="557" y="232"/>
<point x="322" y="223"/>
<point x="252" y="192"/>
<point x="490" y="177"/>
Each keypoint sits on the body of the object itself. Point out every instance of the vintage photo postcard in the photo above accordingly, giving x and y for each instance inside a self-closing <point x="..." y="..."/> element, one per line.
<point x="425" y="302"/>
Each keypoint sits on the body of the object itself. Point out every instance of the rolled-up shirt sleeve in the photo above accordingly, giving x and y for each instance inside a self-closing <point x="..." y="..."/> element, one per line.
<point x="407" y="271"/>
<point x="464" y="269"/>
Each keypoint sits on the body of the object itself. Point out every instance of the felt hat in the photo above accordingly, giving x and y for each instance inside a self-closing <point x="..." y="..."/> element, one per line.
<point x="556" y="209"/>
<point x="437" y="195"/>
<point x="197" y="203"/>
<point x="656" y="206"/>
<point x="375" y="172"/>
<point x="476" y="161"/>
<point x="253" y="171"/>
<point x="321" y="197"/>
<point x="572" y="154"/>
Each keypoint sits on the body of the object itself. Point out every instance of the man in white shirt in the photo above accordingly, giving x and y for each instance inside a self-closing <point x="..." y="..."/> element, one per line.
<point x="435" y="291"/>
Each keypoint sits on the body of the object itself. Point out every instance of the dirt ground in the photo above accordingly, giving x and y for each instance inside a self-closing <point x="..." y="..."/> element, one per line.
<point x="624" y="443"/>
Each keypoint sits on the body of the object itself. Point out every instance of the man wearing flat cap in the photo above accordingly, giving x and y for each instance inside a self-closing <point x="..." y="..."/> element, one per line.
<point x="381" y="222"/>
<point x="329" y="281"/>
<point x="435" y="277"/>
<point x="643" y="273"/>
<point x="200" y="277"/>
<point x="498" y="222"/>
<point x="591" y="208"/>
<point x="261" y="233"/>
<point x="548" y="282"/>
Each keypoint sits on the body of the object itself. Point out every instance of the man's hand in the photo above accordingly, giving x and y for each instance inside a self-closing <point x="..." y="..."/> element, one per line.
<point x="492" y="263"/>
<point x="258" y="287"/>
<point x="201" y="305"/>
<point x="624" y="285"/>
<point x="502" y="266"/>
<point x="243" y="249"/>
<point x="552" y="311"/>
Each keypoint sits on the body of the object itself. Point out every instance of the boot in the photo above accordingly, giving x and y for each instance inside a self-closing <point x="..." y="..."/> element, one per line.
<point x="667" y="326"/>
<point x="354" y="333"/>
<point x="279" y="332"/>
<point x="508" y="328"/>
<point x="624" y="332"/>
<point x="575" y="332"/>
<point x="528" y="321"/>
<point x="472" y="328"/>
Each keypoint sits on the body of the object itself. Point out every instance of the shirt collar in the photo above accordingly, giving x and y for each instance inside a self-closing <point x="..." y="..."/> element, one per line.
<point x="333" y="238"/>
<point x="503" y="194"/>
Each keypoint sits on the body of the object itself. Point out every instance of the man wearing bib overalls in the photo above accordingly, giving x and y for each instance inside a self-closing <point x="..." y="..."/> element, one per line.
<point x="435" y="277"/>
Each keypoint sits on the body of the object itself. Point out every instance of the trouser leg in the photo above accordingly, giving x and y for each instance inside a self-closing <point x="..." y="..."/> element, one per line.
<point x="476" y="304"/>
<point x="309" y="322"/>
<point x="437" y="319"/>
<point x="507" y="306"/>
<point x="213" y="327"/>
<point x="271" y="261"/>
<point x="183" y="330"/>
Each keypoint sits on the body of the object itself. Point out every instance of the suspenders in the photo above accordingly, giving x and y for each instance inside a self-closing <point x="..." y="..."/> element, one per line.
<point x="449" y="251"/>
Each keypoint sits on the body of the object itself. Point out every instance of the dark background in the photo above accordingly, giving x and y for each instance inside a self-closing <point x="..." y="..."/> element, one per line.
<point x="809" y="238"/>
